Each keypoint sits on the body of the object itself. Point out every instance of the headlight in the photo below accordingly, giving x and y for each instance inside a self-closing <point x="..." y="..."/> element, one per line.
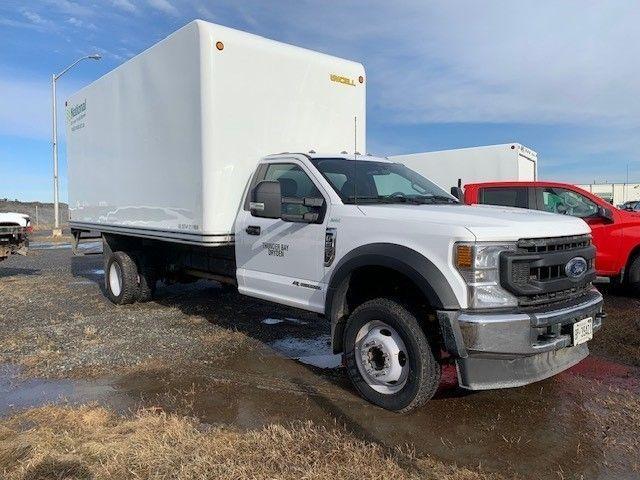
<point x="479" y="265"/>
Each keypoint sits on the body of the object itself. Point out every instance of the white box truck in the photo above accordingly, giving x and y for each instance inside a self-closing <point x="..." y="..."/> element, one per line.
<point x="491" y="163"/>
<point x="193" y="160"/>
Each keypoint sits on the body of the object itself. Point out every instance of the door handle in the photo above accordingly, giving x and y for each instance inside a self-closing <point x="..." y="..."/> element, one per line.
<point x="253" y="230"/>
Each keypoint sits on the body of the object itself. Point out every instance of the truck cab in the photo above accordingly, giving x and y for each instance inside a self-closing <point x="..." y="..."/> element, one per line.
<point x="615" y="232"/>
<point x="408" y="275"/>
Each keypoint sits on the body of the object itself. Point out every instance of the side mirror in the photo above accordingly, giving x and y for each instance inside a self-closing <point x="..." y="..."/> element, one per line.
<point x="458" y="193"/>
<point x="266" y="200"/>
<point x="605" y="213"/>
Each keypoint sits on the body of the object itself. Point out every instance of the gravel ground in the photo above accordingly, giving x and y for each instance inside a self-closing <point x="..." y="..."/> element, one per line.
<point x="56" y="322"/>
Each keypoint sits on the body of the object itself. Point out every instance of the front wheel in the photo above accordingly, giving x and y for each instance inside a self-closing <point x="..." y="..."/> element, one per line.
<point x="388" y="356"/>
<point x="633" y="276"/>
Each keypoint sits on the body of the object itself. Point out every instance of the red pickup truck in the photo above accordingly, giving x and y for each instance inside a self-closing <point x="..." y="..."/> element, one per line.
<point x="616" y="233"/>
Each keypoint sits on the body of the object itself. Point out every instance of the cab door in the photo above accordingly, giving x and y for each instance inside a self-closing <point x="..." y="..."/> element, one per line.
<point x="606" y="233"/>
<point x="280" y="260"/>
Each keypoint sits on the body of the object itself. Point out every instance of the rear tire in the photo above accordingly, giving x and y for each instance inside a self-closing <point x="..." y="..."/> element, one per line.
<point x="389" y="359"/>
<point x="147" y="279"/>
<point x="121" y="279"/>
<point x="633" y="276"/>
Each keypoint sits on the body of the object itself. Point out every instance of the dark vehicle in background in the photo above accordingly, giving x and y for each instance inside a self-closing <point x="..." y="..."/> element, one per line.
<point x="616" y="232"/>
<point x="630" y="206"/>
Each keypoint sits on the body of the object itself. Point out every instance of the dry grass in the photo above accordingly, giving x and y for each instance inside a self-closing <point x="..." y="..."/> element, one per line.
<point x="91" y="442"/>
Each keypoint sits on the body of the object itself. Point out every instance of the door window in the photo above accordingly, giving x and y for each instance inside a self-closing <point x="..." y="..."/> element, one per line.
<point x="294" y="183"/>
<point x="506" y="196"/>
<point x="561" y="200"/>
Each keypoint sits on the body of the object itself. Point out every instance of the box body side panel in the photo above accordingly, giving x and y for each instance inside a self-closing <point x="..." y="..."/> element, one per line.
<point x="134" y="142"/>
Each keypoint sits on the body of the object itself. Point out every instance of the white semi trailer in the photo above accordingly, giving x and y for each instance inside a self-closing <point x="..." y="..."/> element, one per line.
<point x="491" y="163"/>
<point x="197" y="159"/>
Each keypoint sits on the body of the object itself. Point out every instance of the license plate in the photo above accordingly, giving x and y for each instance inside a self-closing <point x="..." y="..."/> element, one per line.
<point x="583" y="331"/>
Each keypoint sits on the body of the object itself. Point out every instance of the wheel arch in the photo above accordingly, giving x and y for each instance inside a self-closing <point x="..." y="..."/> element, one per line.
<point x="423" y="274"/>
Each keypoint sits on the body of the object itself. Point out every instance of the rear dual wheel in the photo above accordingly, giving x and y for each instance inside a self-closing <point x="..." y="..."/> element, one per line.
<point x="125" y="282"/>
<point x="388" y="356"/>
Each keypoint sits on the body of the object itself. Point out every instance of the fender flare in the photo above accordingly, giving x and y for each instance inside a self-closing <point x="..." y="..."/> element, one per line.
<point x="415" y="266"/>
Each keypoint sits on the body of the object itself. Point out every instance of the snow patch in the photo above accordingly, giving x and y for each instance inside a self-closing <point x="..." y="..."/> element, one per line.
<point x="312" y="351"/>
<point x="272" y="321"/>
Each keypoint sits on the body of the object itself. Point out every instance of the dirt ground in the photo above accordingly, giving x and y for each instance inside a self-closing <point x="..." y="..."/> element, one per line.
<point x="213" y="382"/>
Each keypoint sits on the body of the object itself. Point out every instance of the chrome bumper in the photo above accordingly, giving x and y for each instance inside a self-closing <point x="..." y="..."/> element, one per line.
<point x="498" y="350"/>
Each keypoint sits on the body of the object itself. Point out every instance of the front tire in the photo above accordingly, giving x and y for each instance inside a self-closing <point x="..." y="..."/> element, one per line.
<point x="121" y="279"/>
<point x="389" y="359"/>
<point x="633" y="276"/>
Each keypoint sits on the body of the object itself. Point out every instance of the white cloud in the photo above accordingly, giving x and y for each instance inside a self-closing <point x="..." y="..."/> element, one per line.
<point x="125" y="5"/>
<point x="457" y="61"/>
<point x="204" y="12"/>
<point x="164" y="6"/>
<point x="71" y="8"/>
<point x="36" y="19"/>
<point x="80" y="24"/>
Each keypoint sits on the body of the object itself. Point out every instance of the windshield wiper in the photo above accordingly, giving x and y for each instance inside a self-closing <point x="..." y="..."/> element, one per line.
<point x="366" y="198"/>
<point x="419" y="200"/>
<point x="439" y="199"/>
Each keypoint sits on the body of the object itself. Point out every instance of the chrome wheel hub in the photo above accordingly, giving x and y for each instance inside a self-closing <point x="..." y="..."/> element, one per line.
<point x="381" y="357"/>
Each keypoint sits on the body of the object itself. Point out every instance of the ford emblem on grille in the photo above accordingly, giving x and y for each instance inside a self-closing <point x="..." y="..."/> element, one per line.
<point x="576" y="267"/>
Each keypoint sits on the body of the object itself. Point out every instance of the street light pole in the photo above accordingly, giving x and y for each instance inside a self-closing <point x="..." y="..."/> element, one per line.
<point x="54" y="142"/>
<point x="56" y="216"/>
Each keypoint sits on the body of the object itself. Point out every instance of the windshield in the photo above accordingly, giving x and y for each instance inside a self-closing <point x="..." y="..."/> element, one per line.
<point x="364" y="181"/>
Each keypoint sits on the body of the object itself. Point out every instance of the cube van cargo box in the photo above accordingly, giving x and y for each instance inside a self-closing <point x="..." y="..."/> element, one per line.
<point x="491" y="163"/>
<point x="164" y="145"/>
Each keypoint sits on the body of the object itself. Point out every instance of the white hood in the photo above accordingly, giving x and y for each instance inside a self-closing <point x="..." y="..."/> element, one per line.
<point x="20" y="219"/>
<point x="485" y="222"/>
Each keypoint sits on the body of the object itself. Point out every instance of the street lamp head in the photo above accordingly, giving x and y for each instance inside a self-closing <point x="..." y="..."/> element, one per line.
<point x="95" y="56"/>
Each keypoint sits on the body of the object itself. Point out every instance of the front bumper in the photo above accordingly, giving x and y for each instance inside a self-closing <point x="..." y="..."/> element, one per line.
<point x="499" y="350"/>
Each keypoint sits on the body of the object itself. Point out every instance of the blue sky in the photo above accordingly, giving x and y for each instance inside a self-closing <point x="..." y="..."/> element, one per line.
<point x="559" y="77"/>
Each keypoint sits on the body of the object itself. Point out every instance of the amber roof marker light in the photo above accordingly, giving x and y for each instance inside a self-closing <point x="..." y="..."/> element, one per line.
<point x="220" y="46"/>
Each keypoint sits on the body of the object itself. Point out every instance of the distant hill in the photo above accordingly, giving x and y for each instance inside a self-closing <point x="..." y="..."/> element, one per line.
<point x="45" y="211"/>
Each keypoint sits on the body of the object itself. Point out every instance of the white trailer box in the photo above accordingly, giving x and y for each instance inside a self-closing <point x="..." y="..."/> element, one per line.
<point x="492" y="163"/>
<point x="164" y="145"/>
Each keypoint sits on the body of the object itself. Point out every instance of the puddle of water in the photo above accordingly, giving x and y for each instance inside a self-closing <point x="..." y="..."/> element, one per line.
<point x="17" y="393"/>
<point x="314" y="351"/>
<point x="48" y="246"/>
<point x="61" y="246"/>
